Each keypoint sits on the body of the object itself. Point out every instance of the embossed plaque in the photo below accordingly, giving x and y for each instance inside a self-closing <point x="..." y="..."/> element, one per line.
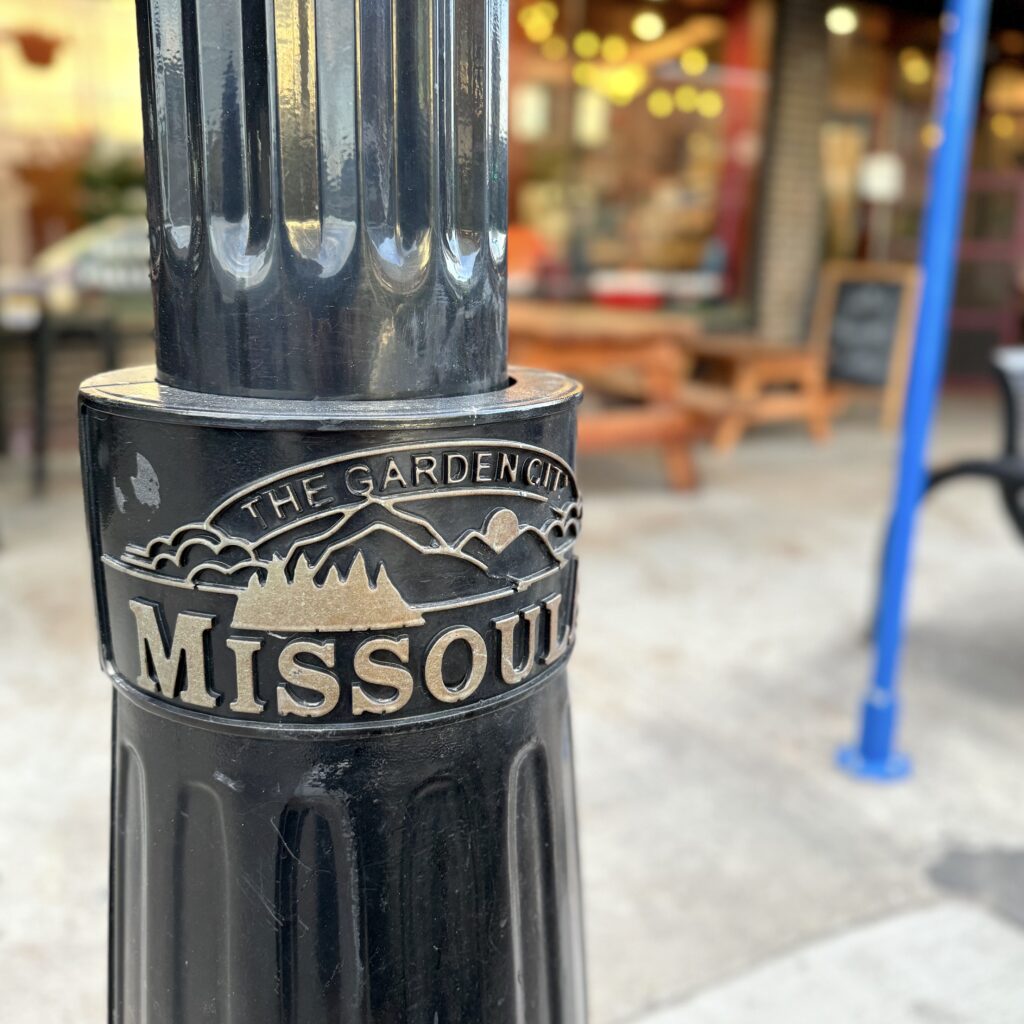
<point x="362" y="582"/>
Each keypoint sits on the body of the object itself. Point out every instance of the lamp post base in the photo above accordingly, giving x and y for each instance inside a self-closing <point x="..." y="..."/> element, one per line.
<point x="338" y="634"/>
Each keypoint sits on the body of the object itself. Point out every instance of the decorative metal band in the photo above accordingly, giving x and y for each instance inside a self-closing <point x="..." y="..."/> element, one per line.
<point x="371" y="583"/>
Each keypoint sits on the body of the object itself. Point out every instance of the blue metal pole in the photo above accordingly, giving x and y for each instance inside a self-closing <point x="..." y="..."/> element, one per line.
<point x="965" y="28"/>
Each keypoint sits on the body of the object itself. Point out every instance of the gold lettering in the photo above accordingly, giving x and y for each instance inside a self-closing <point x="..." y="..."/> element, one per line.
<point x="362" y="485"/>
<point x="433" y="671"/>
<point x="483" y="465"/>
<point x="246" y="702"/>
<point x="250" y="507"/>
<point x="425" y="465"/>
<point x="279" y="504"/>
<point x="557" y="645"/>
<point x="393" y="676"/>
<point x="188" y="643"/>
<point x="450" y="461"/>
<point x="313" y="493"/>
<point x="507" y="628"/>
<point x="296" y="673"/>
<point x="392" y="474"/>
<point x="508" y="468"/>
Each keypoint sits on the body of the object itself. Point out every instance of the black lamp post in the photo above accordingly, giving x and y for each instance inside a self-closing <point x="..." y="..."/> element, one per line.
<point x="333" y="540"/>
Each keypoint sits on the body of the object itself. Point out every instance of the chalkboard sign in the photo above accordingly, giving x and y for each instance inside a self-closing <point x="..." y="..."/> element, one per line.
<point x="864" y="331"/>
<point x="864" y="325"/>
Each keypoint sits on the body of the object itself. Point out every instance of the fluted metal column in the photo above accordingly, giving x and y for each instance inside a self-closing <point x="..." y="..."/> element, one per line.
<point x="328" y="194"/>
<point x="334" y="540"/>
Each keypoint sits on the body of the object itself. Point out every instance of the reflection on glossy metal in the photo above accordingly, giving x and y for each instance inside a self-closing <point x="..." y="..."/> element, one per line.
<point x="334" y="543"/>
<point x="328" y="195"/>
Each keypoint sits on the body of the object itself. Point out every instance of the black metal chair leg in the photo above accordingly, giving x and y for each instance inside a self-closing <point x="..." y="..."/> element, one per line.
<point x="110" y="341"/>
<point x="41" y="349"/>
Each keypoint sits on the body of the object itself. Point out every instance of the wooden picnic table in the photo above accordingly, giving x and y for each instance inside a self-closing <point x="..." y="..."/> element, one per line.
<point x="751" y="382"/>
<point x="756" y="382"/>
<point x="638" y="354"/>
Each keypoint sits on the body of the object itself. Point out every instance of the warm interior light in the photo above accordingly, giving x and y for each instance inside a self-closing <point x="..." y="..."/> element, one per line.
<point x="694" y="61"/>
<point x="586" y="44"/>
<point x="710" y="103"/>
<point x="583" y="75"/>
<point x="660" y="103"/>
<point x="647" y="26"/>
<point x="538" y="30"/>
<point x="544" y="9"/>
<point x="614" y="49"/>
<point x="842" y="20"/>
<point x="591" y="119"/>
<point x="530" y="112"/>
<point x="931" y="136"/>
<point x="686" y="98"/>
<point x="915" y="67"/>
<point x="538" y="20"/>
<point x="555" y="48"/>
<point x="881" y="177"/>
<point x="622" y="84"/>
<point x="1002" y="126"/>
<point x="1004" y="87"/>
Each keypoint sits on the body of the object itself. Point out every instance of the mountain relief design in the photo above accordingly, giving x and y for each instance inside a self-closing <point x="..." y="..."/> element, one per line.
<point x="338" y="604"/>
<point x="382" y="562"/>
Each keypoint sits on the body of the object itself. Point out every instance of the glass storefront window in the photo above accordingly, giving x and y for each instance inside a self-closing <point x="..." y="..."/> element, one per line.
<point x="635" y="138"/>
<point x="882" y="78"/>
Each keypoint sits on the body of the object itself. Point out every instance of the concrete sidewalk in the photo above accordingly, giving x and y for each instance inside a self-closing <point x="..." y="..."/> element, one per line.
<point x="716" y="833"/>
<point x="720" y="661"/>
<point x="949" y="964"/>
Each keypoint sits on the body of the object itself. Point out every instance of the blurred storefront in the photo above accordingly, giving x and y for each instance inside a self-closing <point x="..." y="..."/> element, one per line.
<point x="70" y="119"/>
<point x="706" y="155"/>
<point x="712" y="154"/>
<point x="875" y="146"/>
<point x="636" y="134"/>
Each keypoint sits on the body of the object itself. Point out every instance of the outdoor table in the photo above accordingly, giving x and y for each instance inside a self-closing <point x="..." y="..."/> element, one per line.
<point x="639" y="354"/>
<point x="757" y="382"/>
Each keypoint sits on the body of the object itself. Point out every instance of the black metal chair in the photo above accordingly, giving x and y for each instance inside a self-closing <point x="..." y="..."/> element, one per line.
<point x="1006" y="469"/>
<point x="42" y="340"/>
<point x="52" y="333"/>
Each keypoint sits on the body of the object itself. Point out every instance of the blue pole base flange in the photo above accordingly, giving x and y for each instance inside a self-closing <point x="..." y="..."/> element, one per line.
<point x="889" y="768"/>
<point x="873" y="756"/>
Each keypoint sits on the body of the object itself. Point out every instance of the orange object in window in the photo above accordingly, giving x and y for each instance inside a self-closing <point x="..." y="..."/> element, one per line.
<point x="527" y="252"/>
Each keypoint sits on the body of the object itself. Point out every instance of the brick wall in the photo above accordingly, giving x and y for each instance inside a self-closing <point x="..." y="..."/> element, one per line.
<point x="791" y="213"/>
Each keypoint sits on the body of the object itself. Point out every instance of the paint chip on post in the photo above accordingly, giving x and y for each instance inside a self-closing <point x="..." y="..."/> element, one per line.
<point x="145" y="483"/>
